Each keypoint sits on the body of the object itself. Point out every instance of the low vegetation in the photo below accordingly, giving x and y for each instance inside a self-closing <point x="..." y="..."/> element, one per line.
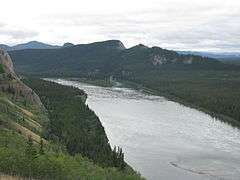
<point x="73" y="124"/>
<point x="68" y="142"/>
<point x="58" y="138"/>
<point x="20" y="157"/>
<point x="1" y="69"/>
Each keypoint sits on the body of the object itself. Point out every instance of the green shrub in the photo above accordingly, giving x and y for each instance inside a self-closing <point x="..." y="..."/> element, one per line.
<point x="1" y="69"/>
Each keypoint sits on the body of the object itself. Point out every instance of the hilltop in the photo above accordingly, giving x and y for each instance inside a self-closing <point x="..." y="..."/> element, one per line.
<point x="29" y="45"/>
<point x="105" y="58"/>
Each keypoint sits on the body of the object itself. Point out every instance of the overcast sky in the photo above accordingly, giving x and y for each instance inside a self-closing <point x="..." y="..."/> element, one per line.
<point x="212" y="25"/>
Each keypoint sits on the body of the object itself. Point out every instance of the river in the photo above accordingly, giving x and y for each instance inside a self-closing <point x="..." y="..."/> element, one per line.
<point x="162" y="139"/>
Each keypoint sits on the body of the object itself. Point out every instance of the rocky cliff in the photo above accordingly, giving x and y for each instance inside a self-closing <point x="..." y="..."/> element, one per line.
<point x="11" y="83"/>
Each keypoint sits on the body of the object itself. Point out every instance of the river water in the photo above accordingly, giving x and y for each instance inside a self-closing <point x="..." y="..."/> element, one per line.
<point x="164" y="140"/>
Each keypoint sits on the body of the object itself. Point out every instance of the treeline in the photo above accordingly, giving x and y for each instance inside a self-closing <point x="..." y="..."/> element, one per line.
<point x="1" y="69"/>
<point x="73" y="124"/>
<point x="214" y="91"/>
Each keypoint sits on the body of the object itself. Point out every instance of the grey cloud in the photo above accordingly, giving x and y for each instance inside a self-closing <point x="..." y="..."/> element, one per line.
<point x="2" y="24"/>
<point x="18" y="34"/>
<point x="197" y="27"/>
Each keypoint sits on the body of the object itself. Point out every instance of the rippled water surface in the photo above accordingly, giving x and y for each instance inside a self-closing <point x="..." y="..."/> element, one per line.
<point x="162" y="139"/>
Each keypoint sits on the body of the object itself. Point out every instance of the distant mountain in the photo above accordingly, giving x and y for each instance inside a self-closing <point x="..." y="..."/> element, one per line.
<point x="142" y="58"/>
<point x="77" y="59"/>
<point x="67" y="44"/>
<point x="40" y="45"/>
<point x="216" y="55"/>
<point x="29" y="45"/>
<point x="34" y="45"/>
<point x="105" y="58"/>
<point x="5" y="47"/>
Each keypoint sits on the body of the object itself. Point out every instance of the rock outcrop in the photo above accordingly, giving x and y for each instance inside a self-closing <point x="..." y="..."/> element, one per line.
<point x="11" y="83"/>
<point x="6" y="61"/>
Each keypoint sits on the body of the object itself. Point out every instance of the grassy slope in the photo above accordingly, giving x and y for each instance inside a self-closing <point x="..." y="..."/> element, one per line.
<point x="25" y="119"/>
<point x="50" y="165"/>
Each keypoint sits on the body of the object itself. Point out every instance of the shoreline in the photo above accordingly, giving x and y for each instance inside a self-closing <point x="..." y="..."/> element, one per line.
<point x="226" y="119"/>
<point x="128" y="169"/>
<point x="129" y="84"/>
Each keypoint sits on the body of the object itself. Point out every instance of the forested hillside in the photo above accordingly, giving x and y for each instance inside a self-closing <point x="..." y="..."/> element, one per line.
<point x="85" y="59"/>
<point x="106" y="58"/>
<point x="73" y="124"/>
<point x="67" y="148"/>
<point x="60" y="138"/>
<point x="215" y="92"/>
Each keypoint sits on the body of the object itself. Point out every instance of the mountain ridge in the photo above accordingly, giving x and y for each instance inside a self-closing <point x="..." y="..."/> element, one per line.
<point x="29" y="45"/>
<point x="41" y="45"/>
<point x="192" y="79"/>
<point x="216" y="55"/>
<point x="104" y="58"/>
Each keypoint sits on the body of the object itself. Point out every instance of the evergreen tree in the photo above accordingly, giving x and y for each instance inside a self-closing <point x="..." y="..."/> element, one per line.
<point x="30" y="149"/>
<point x="41" y="149"/>
<point x="30" y="154"/>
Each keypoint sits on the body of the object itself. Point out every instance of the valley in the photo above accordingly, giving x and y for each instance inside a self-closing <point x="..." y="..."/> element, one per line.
<point x="200" y="82"/>
<point x="120" y="90"/>
<point x="48" y="132"/>
<point x="57" y="119"/>
<point x="163" y="139"/>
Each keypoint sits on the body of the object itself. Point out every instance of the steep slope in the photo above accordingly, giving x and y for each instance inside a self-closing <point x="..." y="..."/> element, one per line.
<point x="63" y="141"/>
<point x="21" y="108"/>
<point x="10" y="81"/>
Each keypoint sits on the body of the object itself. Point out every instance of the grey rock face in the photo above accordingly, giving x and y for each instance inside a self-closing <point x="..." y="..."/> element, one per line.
<point x="9" y="80"/>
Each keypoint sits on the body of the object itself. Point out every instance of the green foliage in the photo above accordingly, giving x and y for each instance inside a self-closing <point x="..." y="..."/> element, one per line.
<point x="98" y="60"/>
<point x="73" y="124"/>
<point x="118" y="158"/>
<point x="76" y="60"/>
<point x="13" y="110"/>
<point x="50" y="165"/>
<point x="41" y="148"/>
<point x="30" y="151"/>
<point x="202" y="82"/>
<point x="1" y="69"/>
<point x="216" y="92"/>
